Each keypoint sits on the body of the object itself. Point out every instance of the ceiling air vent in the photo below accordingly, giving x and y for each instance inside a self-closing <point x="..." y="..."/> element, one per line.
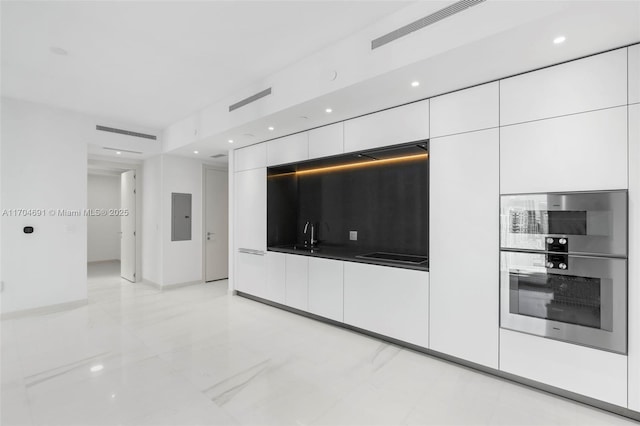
<point x="218" y="155"/>
<point x="121" y="150"/>
<point x="250" y="99"/>
<point x="450" y="10"/>
<point x="125" y="132"/>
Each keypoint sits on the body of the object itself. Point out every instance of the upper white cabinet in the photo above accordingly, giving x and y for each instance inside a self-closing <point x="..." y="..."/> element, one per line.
<point x="634" y="74"/>
<point x="406" y="123"/>
<point x="582" y="152"/>
<point x="326" y="288"/>
<point x="289" y="149"/>
<point x="250" y="157"/>
<point x="463" y="246"/>
<point x="583" y="85"/>
<point x="326" y="141"/>
<point x="251" y="209"/>
<point x="466" y="110"/>
<point x="297" y="281"/>
<point x="390" y="301"/>
<point x="275" y="285"/>
<point x="591" y="372"/>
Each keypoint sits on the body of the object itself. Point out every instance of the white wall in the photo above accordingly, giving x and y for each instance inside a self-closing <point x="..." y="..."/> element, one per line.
<point x="182" y="260"/>
<point x="103" y="232"/>
<point x="152" y="221"/>
<point x="44" y="166"/>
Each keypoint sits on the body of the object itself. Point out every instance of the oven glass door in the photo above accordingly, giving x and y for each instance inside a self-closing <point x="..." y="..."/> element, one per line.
<point x="584" y="303"/>
<point x="591" y="222"/>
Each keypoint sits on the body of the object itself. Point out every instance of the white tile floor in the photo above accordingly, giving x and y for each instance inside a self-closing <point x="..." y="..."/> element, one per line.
<point x="198" y="356"/>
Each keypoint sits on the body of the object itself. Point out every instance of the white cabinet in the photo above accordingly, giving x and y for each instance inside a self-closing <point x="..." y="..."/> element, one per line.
<point x="326" y="141"/>
<point x="297" y="282"/>
<point x="471" y="109"/>
<point x="289" y="149"/>
<point x="251" y="209"/>
<point x="250" y="273"/>
<point x="393" y="126"/>
<point x="326" y="288"/>
<point x="390" y="301"/>
<point x="275" y="282"/>
<point x="582" y="152"/>
<point x="250" y="157"/>
<point x="583" y="85"/>
<point x="634" y="74"/>
<point x="463" y="246"/>
<point x="598" y="374"/>
<point x="634" y="257"/>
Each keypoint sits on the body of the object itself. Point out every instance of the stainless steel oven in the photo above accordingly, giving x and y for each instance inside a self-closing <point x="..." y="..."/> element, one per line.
<point x="564" y="267"/>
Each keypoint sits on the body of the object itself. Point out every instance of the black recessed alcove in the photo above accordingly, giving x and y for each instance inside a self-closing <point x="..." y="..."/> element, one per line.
<point x="382" y="194"/>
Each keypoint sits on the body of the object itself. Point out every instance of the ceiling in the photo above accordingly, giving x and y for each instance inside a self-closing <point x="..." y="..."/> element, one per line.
<point x="152" y="63"/>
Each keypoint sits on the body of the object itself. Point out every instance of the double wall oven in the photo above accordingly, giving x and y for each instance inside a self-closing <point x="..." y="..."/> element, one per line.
<point x="563" y="272"/>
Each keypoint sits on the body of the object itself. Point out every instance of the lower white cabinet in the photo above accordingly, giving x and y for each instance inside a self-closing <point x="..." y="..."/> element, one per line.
<point x="297" y="282"/>
<point x="326" y="287"/>
<point x="250" y="273"/>
<point x="275" y="285"/>
<point x="591" y="372"/>
<point x="390" y="301"/>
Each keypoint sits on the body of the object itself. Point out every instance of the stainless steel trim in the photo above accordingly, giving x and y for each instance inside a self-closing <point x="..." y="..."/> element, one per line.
<point x="605" y="215"/>
<point x="251" y="251"/>
<point x="612" y="272"/>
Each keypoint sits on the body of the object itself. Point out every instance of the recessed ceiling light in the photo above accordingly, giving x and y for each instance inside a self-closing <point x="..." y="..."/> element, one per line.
<point x="328" y="110"/>
<point x="195" y="152"/>
<point x="415" y="83"/>
<point x="96" y="368"/>
<point x="118" y="152"/>
<point x="58" y="51"/>
<point x="559" y="39"/>
<point x="230" y="140"/>
<point x="271" y="128"/>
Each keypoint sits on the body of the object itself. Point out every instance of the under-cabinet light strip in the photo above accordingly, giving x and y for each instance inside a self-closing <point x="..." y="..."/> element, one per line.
<point x="364" y="164"/>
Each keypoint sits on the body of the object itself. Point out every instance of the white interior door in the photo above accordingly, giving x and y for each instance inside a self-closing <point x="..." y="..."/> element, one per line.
<point x="216" y="225"/>
<point x="128" y="226"/>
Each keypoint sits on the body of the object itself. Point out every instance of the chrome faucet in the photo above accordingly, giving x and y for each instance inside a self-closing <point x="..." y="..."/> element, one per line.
<point x="313" y="241"/>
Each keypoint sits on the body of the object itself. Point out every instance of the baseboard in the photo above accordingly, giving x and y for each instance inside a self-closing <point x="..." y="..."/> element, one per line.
<point x="44" y="310"/>
<point x="151" y="284"/>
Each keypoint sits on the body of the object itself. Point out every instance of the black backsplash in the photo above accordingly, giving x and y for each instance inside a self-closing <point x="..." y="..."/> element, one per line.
<point x="387" y="204"/>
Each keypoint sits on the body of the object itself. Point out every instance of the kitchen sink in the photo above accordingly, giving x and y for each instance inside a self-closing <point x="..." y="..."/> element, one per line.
<point x="395" y="257"/>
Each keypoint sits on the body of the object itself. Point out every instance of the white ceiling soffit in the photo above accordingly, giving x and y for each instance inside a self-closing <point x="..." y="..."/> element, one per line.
<point x="153" y="63"/>
<point x="590" y="27"/>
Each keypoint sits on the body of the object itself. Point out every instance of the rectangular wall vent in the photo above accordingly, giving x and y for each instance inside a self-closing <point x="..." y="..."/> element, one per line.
<point x="456" y="7"/>
<point x="250" y="99"/>
<point x="121" y="150"/>
<point x="218" y="155"/>
<point x="125" y="132"/>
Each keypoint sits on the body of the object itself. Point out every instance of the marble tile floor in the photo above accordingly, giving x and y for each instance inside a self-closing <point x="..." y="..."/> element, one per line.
<point x="197" y="355"/>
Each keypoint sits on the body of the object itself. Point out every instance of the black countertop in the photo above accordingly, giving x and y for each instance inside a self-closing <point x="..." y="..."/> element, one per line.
<point x="348" y="254"/>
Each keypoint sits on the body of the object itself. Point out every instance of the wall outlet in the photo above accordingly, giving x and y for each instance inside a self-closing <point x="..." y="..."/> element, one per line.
<point x="353" y="235"/>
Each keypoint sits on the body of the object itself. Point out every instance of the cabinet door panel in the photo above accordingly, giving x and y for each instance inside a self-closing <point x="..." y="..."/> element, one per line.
<point x="587" y="84"/>
<point x="289" y="149"/>
<point x="634" y="74"/>
<point x="390" y="301"/>
<point x="466" y="110"/>
<point x="463" y="246"/>
<point x="250" y="157"/>
<point x="297" y="282"/>
<point x="582" y="152"/>
<point x="326" y="141"/>
<point x="250" y="274"/>
<point x="251" y="209"/>
<point x="591" y="372"/>
<point x="326" y="288"/>
<point x="275" y="285"/>
<point x="393" y="126"/>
